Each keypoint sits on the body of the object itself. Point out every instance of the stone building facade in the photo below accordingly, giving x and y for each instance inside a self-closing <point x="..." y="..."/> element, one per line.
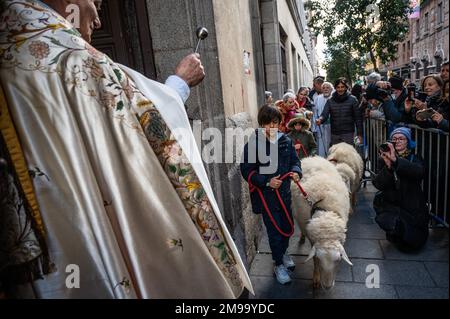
<point x="253" y="46"/>
<point x="430" y="39"/>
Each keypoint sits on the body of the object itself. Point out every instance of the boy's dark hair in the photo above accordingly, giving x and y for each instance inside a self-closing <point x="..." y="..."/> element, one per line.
<point x="267" y="114"/>
<point x="445" y="63"/>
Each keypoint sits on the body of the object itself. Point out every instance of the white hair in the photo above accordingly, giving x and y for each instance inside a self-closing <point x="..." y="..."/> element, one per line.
<point x="329" y="84"/>
<point x="288" y="95"/>
<point x="373" y="77"/>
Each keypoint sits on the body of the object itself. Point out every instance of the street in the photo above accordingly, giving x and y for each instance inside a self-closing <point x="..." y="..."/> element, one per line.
<point x="423" y="275"/>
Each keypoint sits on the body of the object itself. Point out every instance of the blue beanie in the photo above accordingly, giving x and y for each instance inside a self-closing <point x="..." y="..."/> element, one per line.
<point x="407" y="133"/>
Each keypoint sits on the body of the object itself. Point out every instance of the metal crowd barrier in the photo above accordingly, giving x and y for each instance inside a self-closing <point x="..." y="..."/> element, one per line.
<point x="432" y="146"/>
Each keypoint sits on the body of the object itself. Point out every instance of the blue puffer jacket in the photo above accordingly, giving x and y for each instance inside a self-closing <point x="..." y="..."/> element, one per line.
<point x="287" y="161"/>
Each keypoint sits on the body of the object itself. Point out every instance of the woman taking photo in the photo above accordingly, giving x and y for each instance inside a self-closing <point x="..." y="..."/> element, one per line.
<point x="432" y="86"/>
<point x="400" y="205"/>
<point x="345" y="115"/>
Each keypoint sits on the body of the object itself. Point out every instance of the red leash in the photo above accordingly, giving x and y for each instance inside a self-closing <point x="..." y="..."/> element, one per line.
<point x="291" y="223"/>
<point x="297" y="142"/>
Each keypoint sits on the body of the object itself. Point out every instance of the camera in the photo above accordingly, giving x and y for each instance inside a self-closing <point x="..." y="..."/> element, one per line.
<point x="413" y="93"/>
<point x="385" y="147"/>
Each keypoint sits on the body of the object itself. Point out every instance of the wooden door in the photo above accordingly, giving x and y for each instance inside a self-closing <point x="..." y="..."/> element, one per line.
<point x="125" y="35"/>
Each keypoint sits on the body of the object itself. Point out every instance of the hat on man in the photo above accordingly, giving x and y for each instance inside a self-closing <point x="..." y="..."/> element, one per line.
<point x="396" y="82"/>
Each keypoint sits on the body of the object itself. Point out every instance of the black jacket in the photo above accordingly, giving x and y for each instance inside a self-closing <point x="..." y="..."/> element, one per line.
<point x="440" y="105"/>
<point x="401" y="198"/>
<point x="287" y="162"/>
<point x="345" y="115"/>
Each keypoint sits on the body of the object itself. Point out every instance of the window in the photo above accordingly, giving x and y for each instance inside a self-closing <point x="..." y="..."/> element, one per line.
<point x="284" y="69"/>
<point x="440" y="17"/>
<point x="404" y="51"/>
<point x="426" y="26"/>
<point x="417" y="29"/>
<point x="408" y="48"/>
<point x="294" y="67"/>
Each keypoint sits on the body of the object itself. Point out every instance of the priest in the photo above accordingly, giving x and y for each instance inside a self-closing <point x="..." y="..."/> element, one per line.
<point x="122" y="198"/>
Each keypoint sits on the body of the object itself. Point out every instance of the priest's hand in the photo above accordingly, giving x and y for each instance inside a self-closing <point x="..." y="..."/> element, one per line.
<point x="191" y="70"/>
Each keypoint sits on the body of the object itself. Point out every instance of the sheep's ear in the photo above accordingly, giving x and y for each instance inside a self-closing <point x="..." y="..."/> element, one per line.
<point x="344" y="255"/>
<point x="312" y="253"/>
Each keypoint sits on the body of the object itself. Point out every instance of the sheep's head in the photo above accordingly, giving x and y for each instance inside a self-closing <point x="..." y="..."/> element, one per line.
<point x="327" y="233"/>
<point x="329" y="257"/>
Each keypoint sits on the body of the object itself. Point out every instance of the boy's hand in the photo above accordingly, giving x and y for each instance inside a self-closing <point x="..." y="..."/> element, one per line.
<point x="276" y="182"/>
<point x="295" y="177"/>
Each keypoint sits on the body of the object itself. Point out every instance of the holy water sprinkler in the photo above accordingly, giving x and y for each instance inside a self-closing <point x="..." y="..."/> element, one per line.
<point x="202" y="34"/>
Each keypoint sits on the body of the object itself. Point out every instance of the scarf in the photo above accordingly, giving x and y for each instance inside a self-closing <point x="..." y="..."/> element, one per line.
<point x="340" y="98"/>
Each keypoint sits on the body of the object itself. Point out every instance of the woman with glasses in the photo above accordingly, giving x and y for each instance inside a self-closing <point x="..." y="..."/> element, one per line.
<point x="400" y="205"/>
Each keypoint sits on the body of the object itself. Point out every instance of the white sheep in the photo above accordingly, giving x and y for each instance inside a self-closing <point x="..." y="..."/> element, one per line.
<point x="325" y="226"/>
<point x="346" y="153"/>
<point x="347" y="175"/>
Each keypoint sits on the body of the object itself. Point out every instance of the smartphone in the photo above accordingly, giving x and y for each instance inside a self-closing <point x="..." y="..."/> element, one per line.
<point x="425" y="114"/>
<point x="411" y="91"/>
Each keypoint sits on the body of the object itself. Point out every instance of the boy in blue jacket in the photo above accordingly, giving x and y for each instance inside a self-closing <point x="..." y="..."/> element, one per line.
<point x="269" y="164"/>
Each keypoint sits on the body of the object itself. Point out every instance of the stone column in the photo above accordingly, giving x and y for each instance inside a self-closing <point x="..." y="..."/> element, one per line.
<point x="173" y="25"/>
<point x="272" y="52"/>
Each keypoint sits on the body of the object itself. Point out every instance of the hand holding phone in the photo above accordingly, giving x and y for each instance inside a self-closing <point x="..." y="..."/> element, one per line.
<point x="425" y="114"/>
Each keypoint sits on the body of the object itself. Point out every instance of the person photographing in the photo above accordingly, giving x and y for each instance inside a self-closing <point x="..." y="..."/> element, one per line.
<point x="400" y="205"/>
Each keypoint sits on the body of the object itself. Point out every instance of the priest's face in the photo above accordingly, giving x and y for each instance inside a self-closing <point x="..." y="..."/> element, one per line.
<point x="89" y="19"/>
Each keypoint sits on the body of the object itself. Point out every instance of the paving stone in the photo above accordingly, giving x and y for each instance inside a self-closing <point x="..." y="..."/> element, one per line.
<point x="423" y="274"/>
<point x="363" y="248"/>
<point x="295" y="248"/>
<point x="434" y="250"/>
<point x="356" y="291"/>
<point x="421" y="293"/>
<point x="404" y="273"/>
<point x="366" y="231"/>
<point x="263" y="266"/>
<point x="269" y="288"/>
<point x="439" y="272"/>
<point x="363" y="215"/>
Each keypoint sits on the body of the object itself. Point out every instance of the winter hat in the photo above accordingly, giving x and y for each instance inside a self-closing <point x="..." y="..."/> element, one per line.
<point x="396" y="82"/>
<point x="299" y="118"/>
<point x="406" y="132"/>
<point x="372" y="92"/>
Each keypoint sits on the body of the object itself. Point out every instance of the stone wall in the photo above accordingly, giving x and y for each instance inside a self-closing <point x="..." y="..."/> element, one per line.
<point x="172" y="26"/>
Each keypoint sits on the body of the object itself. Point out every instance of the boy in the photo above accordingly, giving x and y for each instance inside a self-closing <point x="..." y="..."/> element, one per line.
<point x="269" y="163"/>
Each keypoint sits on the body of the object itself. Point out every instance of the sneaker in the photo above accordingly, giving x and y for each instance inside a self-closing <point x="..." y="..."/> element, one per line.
<point x="282" y="274"/>
<point x="288" y="262"/>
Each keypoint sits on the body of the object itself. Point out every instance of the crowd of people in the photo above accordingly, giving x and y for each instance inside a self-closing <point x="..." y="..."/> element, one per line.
<point x="336" y="112"/>
<point x="400" y="102"/>
<point x="315" y="119"/>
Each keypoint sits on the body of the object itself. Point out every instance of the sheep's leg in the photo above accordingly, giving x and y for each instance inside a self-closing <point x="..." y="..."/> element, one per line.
<point x="316" y="275"/>
<point x="353" y="200"/>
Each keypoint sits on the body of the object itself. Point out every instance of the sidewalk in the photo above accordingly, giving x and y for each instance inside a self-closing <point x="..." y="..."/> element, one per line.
<point x="403" y="276"/>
